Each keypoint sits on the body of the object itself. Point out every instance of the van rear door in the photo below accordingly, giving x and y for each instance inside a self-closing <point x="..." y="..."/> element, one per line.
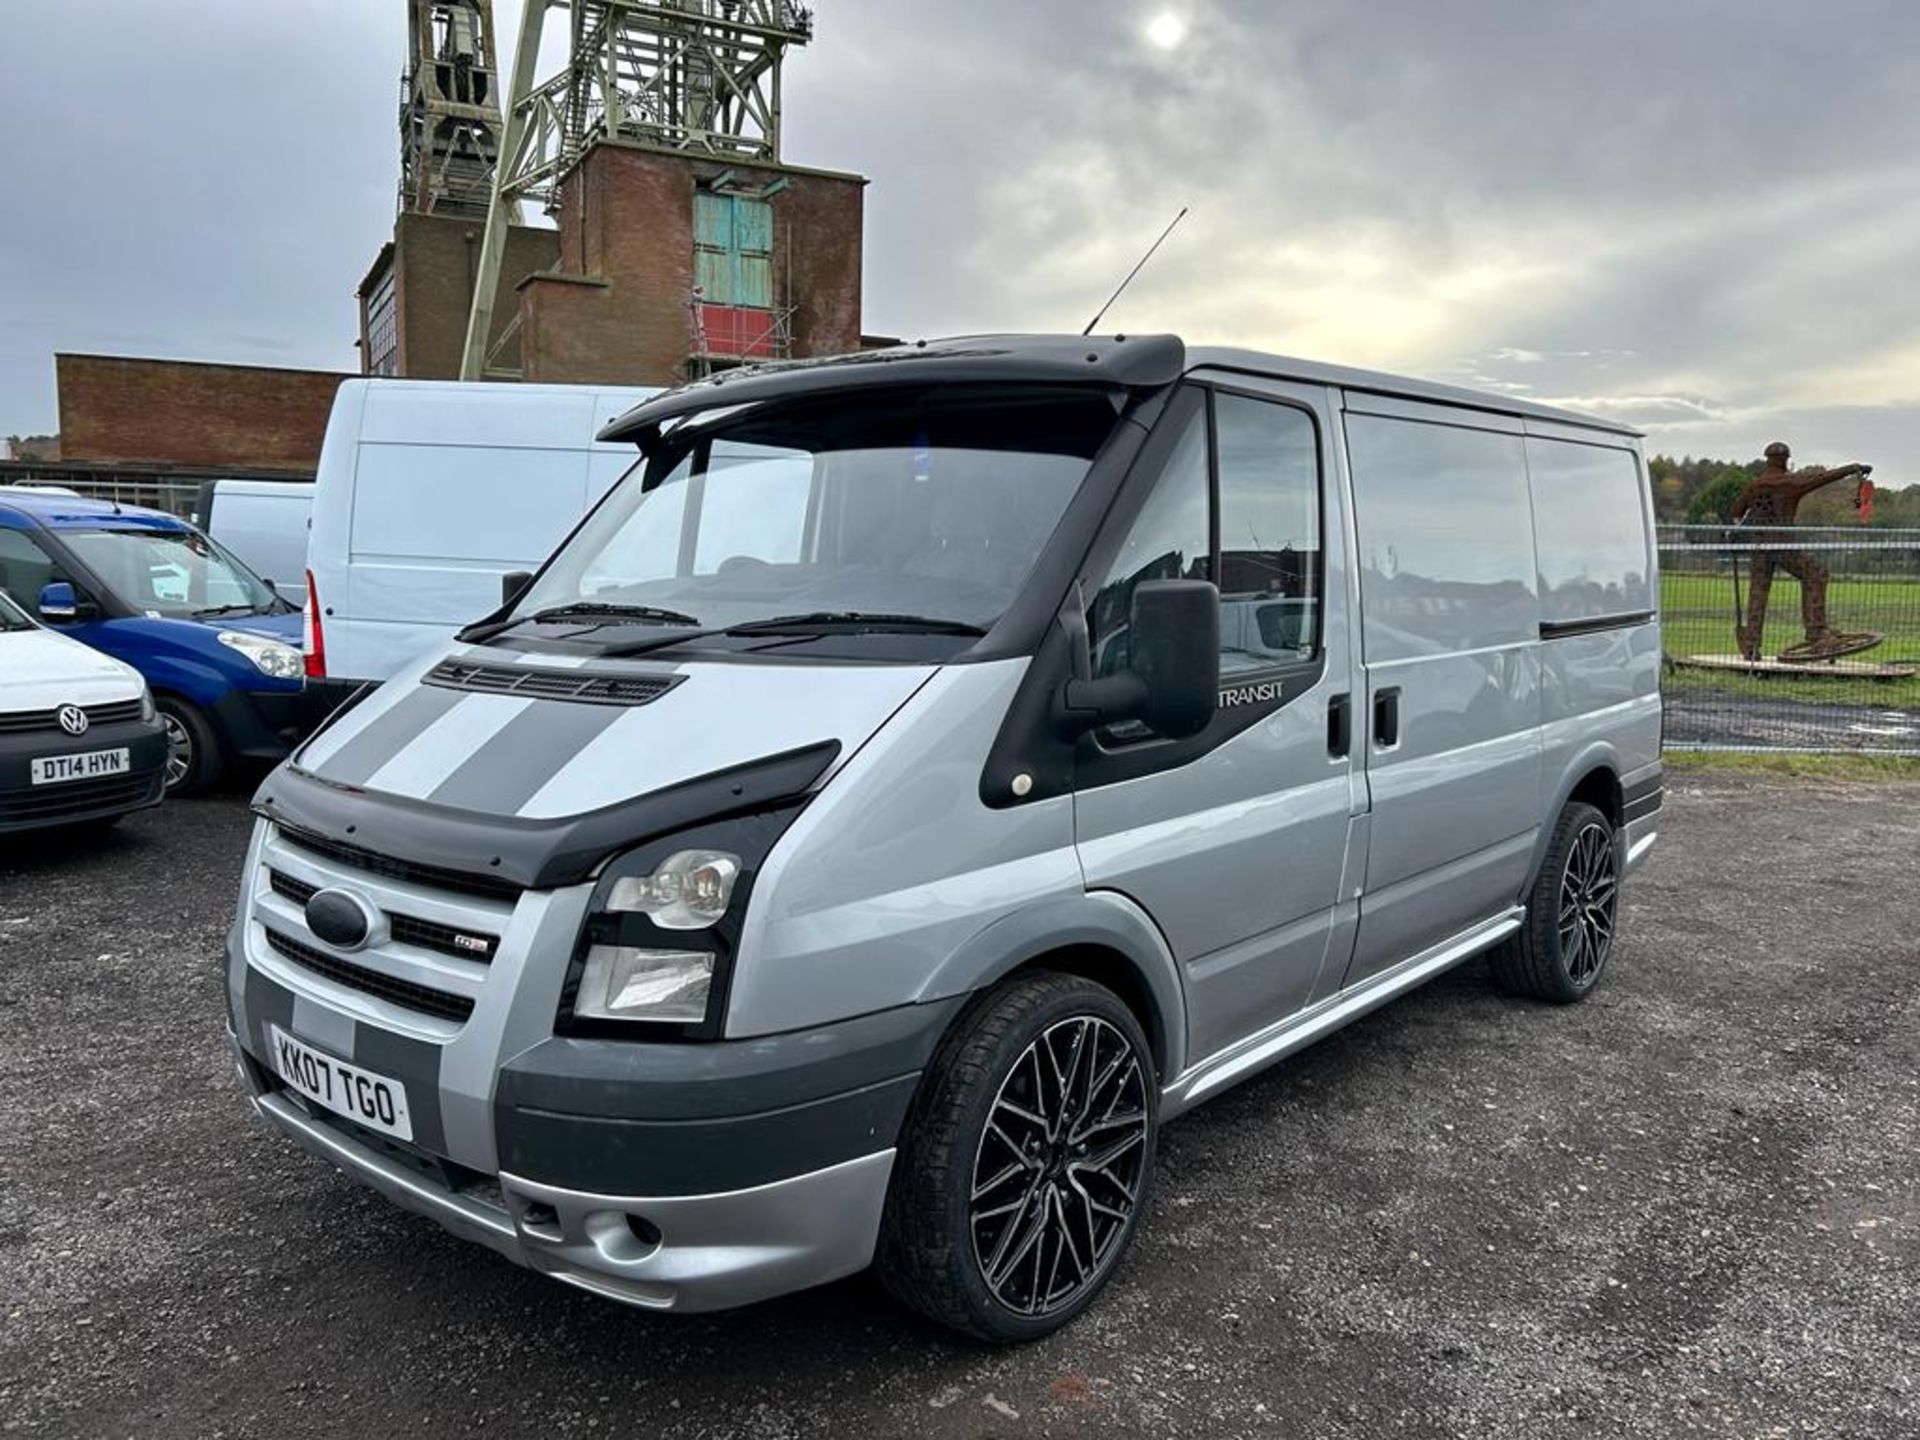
<point x="1450" y="722"/>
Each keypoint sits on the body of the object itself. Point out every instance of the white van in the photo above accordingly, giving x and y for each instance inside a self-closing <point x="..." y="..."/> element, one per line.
<point x="428" y="493"/>
<point x="927" y="772"/>
<point x="265" y="523"/>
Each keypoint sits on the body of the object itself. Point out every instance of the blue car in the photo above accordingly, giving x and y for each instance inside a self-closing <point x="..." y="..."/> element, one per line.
<point x="219" y="649"/>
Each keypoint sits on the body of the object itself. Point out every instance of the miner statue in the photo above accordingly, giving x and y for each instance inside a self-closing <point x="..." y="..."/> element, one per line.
<point x="1768" y="504"/>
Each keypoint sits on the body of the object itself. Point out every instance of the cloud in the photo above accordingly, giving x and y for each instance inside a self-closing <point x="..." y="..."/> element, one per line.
<point x="1699" y="217"/>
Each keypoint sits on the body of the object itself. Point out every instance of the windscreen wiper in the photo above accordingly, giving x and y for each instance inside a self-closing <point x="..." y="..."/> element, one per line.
<point x="811" y="622"/>
<point x="578" y="610"/>
<point x="226" y="610"/>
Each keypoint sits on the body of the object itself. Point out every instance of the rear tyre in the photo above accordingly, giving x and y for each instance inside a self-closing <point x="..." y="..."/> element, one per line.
<point x="194" y="760"/>
<point x="1025" y="1163"/>
<point x="1563" y="945"/>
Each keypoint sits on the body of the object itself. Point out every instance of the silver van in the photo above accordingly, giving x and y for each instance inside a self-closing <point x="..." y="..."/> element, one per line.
<point x="928" y="772"/>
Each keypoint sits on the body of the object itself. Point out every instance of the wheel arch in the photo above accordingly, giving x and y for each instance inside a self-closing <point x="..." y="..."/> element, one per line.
<point x="1100" y="936"/>
<point x="1593" y="776"/>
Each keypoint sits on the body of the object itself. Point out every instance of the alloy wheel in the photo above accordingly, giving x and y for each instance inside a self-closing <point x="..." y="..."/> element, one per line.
<point x="1589" y="892"/>
<point x="179" y="749"/>
<point x="1058" y="1171"/>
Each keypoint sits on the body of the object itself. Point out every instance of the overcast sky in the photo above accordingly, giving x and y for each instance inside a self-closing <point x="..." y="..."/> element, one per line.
<point x="1700" y="215"/>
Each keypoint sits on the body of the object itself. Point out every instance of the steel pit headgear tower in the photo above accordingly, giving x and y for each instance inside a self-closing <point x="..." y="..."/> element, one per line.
<point x="681" y="240"/>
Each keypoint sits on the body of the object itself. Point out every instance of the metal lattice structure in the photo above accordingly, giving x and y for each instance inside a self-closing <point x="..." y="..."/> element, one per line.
<point x="450" y="121"/>
<point x="701" y="76"/>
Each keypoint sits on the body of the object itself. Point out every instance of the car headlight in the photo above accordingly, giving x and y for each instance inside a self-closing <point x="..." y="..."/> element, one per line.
<point x="655" y="956"/>
<point x="689" y="890"/>
<point x="269" y="657"/>
<point x="626" y="982"/>
<point x="147" y="712"/>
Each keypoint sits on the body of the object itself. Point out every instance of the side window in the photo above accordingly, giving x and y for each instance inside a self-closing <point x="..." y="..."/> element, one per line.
<point x="1590" y="529"/>
<point x="1168" y="541"/>
<point x="1269" y="533"/>
<point x="1265" y="471"/>
<point x="1446" y="537"/>
<point x="24" y="568"/>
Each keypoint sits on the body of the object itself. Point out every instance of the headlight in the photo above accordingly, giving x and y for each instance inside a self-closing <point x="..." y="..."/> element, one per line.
<point x="147" y="712"/>
<point x="689" y="890"/>
<point x="269" y="657"/>
<point x="623" y="982"/>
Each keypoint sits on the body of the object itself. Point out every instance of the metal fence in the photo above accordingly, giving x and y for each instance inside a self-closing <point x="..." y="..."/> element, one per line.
<point x="1782" y="693"/>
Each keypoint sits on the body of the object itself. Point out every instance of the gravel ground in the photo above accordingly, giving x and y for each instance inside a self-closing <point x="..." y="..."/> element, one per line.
<point x="1687" y="1207"/>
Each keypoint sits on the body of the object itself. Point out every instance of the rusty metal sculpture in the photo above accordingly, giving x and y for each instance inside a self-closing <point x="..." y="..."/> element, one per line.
<point x="1769" y="503"/>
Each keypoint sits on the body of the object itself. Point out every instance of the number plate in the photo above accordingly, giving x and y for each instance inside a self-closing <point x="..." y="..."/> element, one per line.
<point x="375" y="1101"/>
<point x="52" y="769"/>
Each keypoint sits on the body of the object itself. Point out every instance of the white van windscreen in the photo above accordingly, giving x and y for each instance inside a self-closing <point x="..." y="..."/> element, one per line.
<point x="887" y="502"/>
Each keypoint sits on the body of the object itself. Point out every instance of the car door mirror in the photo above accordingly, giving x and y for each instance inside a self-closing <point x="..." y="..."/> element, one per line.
<point x="513" y="584"/>
<point x="1172" y="680"/>
<point x="58" y="605"/>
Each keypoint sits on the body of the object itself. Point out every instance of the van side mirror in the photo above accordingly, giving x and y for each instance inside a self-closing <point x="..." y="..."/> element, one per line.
<point x="513" y="584"/>
<point x="1172" y="680"/>
<point x="57" y="603"/>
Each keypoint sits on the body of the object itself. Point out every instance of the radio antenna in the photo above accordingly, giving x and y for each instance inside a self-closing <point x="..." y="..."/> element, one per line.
<point x="1135" y="271"/>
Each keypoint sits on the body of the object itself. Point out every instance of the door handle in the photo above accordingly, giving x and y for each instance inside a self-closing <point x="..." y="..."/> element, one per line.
<point x="1339" y="724"/>
<point x="1386" y="718"/>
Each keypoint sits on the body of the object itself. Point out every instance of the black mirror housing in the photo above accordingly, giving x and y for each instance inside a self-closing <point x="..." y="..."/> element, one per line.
<point x="1172" y="681"/>
<point x="1175" y="650"/>
<point x="513" y="584"/>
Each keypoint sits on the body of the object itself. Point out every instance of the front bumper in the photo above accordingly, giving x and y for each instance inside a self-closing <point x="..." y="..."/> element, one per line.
<point x="26" y="806"/>
<point x="677" y="1252"/>
<point x="268" y="724"/>
<point x="689" y="1176"/>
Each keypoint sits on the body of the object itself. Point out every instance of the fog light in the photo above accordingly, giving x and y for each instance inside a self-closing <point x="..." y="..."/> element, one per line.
<point x="621" y="982"/>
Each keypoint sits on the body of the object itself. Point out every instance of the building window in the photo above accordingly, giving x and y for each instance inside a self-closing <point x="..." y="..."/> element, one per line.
<point x="383" y="328"/>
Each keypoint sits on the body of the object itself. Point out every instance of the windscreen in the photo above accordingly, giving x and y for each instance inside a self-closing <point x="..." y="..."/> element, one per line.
<point x="928" y="502"/>
<point x="12" y="617"/>
<point x="170" y="572"/>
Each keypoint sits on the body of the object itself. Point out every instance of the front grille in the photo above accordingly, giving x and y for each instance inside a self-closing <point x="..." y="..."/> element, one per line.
<point x="77" y="797"/>
<point x="371" y="982"/>
<point x="588" y="687"/>
<point x="432" y="876"/>
<point x="432" y="935"/>
<point x="22" y="722"/>
<point x="408" y="929"/>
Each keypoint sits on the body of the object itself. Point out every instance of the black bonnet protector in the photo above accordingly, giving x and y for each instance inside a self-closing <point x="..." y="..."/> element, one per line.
<point x="502" y="851"/>
<point x="1133" y="362"/>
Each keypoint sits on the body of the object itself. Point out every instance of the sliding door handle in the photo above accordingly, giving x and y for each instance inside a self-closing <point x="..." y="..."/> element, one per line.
<point x="1386" y="718"/>
<point x="1339" y="724"/>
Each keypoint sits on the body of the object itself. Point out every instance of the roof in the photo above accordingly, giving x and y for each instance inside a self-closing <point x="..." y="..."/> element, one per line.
<point x="1380" y="382"/>
<point x="1131" y="362"/>
<point x="54" y="510"/>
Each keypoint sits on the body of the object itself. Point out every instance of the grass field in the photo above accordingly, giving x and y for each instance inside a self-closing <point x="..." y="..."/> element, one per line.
<point x="1696" y="615"/>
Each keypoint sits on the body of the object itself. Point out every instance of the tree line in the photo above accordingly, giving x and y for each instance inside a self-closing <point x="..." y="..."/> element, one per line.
<point x="1701" y="491"/>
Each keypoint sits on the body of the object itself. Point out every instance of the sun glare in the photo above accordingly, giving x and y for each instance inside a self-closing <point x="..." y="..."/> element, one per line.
<point x="1166" y="30"/>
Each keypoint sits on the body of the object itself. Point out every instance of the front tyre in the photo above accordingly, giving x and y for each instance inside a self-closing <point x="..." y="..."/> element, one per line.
<point x="1025" y="1163"/>
<point x="1564" y="943"/>
<point x="194" y="760"/>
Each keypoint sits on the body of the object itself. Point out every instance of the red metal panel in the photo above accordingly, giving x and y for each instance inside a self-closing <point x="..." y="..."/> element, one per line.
<point x="740" y="330"/>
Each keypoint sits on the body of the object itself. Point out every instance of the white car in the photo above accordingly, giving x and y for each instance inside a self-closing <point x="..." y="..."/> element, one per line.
<point x="80" y="742"/>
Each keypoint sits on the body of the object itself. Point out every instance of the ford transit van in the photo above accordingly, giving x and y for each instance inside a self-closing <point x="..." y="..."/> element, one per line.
<point x="928" y="772"/>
